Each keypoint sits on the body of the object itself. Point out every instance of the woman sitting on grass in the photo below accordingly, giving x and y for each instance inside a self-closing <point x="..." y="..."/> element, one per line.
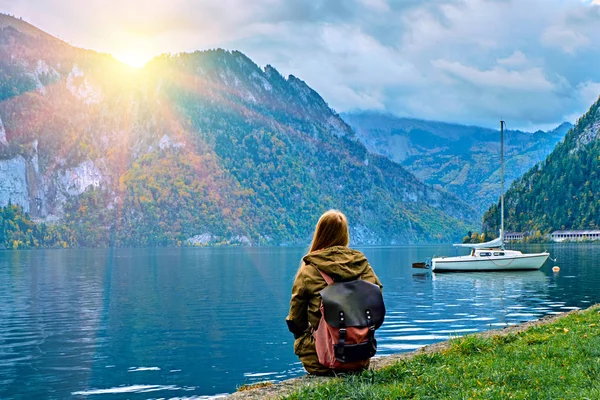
<point x="329" y="253"/>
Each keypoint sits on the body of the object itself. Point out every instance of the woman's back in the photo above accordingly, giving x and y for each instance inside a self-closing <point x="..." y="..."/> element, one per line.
<point x="341" y="263"/>
<point x="329" y="254"/>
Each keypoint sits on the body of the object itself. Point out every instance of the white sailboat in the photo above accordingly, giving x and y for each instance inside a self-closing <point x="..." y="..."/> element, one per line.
<point x="491" y="256"/>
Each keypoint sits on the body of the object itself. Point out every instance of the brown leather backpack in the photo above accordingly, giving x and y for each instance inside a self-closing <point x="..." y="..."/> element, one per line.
<point x="350" y="313"/>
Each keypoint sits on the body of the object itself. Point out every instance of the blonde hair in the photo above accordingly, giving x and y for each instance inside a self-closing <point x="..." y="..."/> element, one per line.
<point x="331" y="230"/>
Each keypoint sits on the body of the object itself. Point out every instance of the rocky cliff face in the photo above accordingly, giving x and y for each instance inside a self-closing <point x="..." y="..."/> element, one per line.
<point x="204" y="147"/>
<point x="13" y="185"/>
<point x="3" y="141"/>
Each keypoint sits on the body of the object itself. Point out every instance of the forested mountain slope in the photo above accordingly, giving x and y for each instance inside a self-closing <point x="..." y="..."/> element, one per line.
<point x="562" y="192"/>
<point x="200" y="148"/>
<point x="463" y="160"/>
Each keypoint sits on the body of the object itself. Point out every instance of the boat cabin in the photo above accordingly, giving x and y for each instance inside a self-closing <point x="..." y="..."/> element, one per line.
<point x="487" y="253"/>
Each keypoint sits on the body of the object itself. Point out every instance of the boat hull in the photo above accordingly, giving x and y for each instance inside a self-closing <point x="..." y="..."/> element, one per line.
<point x="501" y="263"/>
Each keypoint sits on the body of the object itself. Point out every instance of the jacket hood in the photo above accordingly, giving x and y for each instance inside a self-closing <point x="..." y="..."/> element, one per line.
<point x="339" y="262"/>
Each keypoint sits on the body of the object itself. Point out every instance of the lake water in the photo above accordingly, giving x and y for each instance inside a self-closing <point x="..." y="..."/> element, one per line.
<point x="190" y="323"/>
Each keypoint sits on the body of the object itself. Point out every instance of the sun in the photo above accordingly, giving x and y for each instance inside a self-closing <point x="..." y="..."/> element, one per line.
<point x="133" y="58"/>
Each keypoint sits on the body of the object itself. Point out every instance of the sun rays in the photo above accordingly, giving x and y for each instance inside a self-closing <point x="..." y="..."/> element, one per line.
<point x="134" y="58"/>
<point x="177" y="97"/>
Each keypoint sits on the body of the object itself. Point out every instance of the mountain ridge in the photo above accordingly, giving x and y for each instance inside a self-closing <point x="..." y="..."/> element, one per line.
<point x="199" y="148"/>
<point x="561" y="192"/>
<point x="462" y="159"/>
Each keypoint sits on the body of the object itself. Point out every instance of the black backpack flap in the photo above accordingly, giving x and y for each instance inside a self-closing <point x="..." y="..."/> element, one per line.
<point x="354" y="298"/>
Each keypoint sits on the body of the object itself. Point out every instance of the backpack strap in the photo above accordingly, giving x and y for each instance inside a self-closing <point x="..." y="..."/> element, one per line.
<point x="328" y="280"/>
<point x="325" y="276"/>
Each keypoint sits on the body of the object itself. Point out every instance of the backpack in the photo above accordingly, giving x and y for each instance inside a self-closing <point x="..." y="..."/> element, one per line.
<point x="350" y="314"/>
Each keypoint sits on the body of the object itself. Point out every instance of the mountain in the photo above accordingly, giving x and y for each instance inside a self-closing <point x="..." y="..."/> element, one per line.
<point x="463" y="160"/>
<point x="200" y="148"/>
<point x="563" y="191"/>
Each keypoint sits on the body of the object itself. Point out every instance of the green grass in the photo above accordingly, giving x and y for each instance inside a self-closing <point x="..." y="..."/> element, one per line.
<point x="560" y="360"/>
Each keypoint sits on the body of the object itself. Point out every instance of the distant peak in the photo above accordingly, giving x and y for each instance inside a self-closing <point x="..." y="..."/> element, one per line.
<point x="241" y="57"/>
<point x="564" y="125"/>
<point x="292" y="78"/>
<point x="272" y="72"/>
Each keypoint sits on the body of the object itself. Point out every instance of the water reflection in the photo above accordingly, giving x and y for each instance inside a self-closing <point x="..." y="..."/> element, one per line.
<point x="496" y="296"/>
<point x="421" y="276"/>
<point x="164" y="323"/>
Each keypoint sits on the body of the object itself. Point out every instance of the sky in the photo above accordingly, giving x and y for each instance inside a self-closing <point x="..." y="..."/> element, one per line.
<point x="533" y="63"/>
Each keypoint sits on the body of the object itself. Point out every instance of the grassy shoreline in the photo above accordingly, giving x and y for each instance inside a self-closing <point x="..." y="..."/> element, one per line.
<point x="557" y="357"/>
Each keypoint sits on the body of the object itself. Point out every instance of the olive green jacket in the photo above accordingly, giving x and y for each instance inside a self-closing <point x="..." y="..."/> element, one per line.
<point x="341" y="264"/>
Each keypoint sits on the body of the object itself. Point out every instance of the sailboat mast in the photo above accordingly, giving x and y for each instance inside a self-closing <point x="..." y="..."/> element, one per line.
<point x="502" y="123"/>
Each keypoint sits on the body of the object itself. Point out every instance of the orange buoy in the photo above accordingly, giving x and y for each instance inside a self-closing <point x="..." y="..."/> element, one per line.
<point x="556" y="268"/>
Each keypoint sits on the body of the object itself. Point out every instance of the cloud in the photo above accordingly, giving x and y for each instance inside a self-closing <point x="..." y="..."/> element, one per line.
<point x="377" y="5"/>
<point x="498" y="77"/>
<point x="567" y="40"/>
<point x="468" y="61"/>
<point x="574" y="29"/>
<point x="589" y="91"/>
<point x="516" y="59"/>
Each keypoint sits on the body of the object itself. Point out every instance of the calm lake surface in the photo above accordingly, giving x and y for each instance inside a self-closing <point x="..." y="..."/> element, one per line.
<point x="194" y="323"/>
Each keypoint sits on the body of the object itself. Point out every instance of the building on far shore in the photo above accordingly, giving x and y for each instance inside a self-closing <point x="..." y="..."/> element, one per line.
<point x="514" y="236"/>
<point x="575" y="236"/>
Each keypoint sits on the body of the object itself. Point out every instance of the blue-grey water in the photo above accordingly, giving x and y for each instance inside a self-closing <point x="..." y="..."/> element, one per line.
<point x="189" y="323"/>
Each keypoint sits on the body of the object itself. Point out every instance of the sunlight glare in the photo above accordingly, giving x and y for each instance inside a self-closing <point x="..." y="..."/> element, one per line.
<point x="135" y="59"/>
